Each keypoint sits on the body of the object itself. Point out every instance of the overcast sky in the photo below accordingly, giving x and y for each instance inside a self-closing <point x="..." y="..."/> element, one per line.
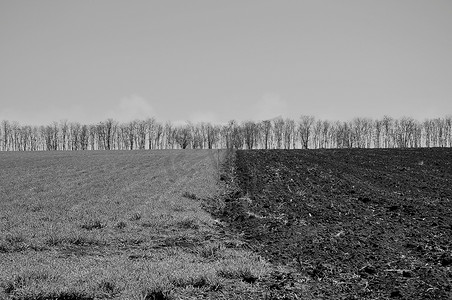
<point x="219" y="60"/>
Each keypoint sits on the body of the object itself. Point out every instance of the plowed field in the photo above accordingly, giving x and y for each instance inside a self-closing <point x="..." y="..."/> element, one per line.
<point x="350" y="224"/>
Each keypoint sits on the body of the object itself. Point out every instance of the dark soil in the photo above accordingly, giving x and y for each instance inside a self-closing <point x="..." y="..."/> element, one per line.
<point x="350" y="224"/>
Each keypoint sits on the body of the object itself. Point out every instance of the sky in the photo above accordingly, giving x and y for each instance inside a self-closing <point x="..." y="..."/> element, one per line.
<point x="214" y="61"/>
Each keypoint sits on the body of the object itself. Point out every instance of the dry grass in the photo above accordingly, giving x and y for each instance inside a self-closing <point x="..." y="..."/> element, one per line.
<point x="116" y="225"/>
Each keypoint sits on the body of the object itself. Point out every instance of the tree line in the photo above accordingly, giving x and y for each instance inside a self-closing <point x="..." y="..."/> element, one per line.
<point x="279" y="133"/>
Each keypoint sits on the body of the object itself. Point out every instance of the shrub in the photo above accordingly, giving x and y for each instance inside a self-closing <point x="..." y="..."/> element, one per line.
<point x="92" y="224"/>
<point x="188" y="223"/>
<point x="246" y="268"/>
<point x="212" y="250"/>
<point x="21" y="281"/>
<point x="209" y="281"/>
<point x="135" y="217"/>
<point x="244" y="274"/>
<point x="108" y="287"/>
<point x="74" y="239"/>
<point x="12" y="242"/>
<point x="121" y="225"/>
<point x="156" y="293"/>
<point x="190" y="196"/>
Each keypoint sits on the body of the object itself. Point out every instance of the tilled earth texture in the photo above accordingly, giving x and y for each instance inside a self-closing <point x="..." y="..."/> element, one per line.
<point x="348" y="224"/>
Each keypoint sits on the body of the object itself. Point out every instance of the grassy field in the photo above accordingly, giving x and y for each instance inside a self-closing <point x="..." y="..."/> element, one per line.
<point x="116" y="225"/>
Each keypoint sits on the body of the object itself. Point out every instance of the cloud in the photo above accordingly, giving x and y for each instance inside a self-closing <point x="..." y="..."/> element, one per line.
<point x="131" y="108"/>
<point x="198" y="117"/>
<point x="271" y="106"/>
<point x="42" y="115"/>
<point x="125" y="110"/>
<point x="207" y="116"/>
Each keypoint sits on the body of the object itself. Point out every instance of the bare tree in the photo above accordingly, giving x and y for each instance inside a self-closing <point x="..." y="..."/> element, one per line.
<point x="266" y="128"/>
<point x="93" y="137"/>
<point x="233" y="134"/>
<point x="358" y="133"/>
<point x="278" y="131"/>
<point x="368" y="132"/>
<point x="74" y="129"/>
<point x="440" y="126"/>
<point x="404" y="132"/>
<point x="212" y="135"/>
<point x="151" y="124"/>
<point x="428" y="132"/>
<point x="24" y="137"/>
<point x="106" y="131"/>
<point x="304" y="129"/>
<point x="317" y="134"/>
<point x="6" y="133"/>
<point x="226" y="133"/>
<point x="34" y="139"/>
<point x="203" y="134"/>
<point x="158" y="136"/>
<point x="131" y="134"/>
<point x="64" y="133"/>
<point x="197" y="135"/>
<point x="224" y="136"/>
<point x="418" y="135"/>
<point x="51" y="136"/>
<point x="183" y="136"/>
<point x="378" y="126"/>
<point x="15" y="136"/>
<point x="448" y="130"/>
<point x="84" y="137"/>
<point x="344" y="135"/>
<point x="250" y="132"/>
<point x="123" y="136"/>
<point x="169" y="135"/>
<point x="141" y="134"/>
<point x="2" y="147"/>
<point x="289" y="134"/>
<point x="56" y="135"/>
<point x="326" y="135"/>
<point x="388" y="129"/>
